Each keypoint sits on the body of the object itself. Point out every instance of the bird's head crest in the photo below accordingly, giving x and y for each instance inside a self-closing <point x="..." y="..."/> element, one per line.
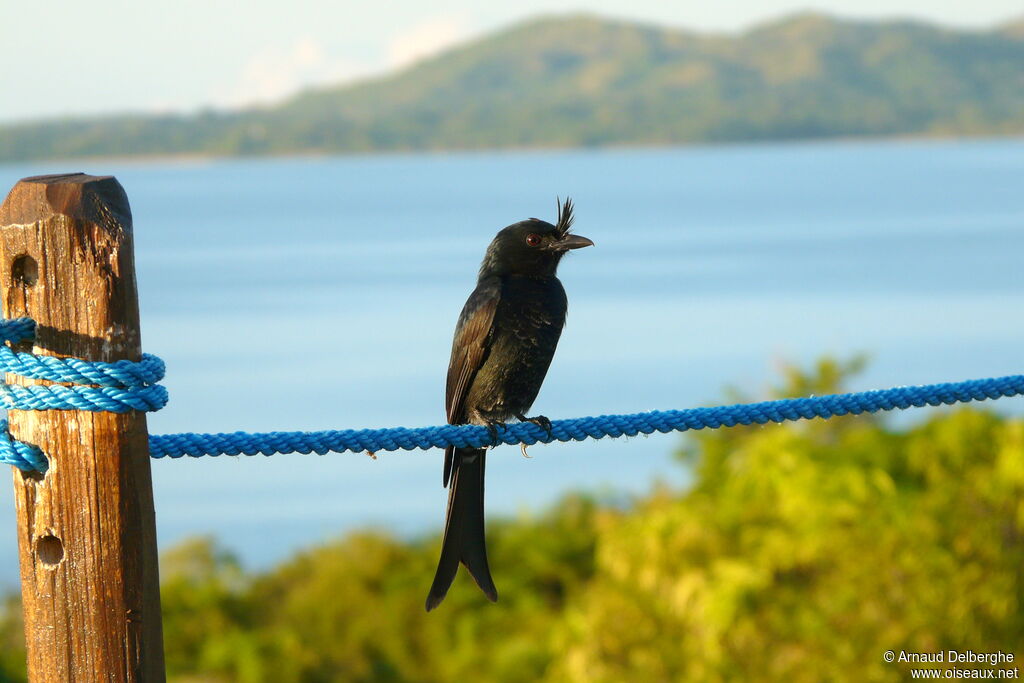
<point x="565" y="217"/>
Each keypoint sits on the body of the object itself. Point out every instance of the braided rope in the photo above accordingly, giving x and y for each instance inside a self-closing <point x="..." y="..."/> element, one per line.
<point x="116" y="387"/>
<point x="122" y="385"/>
<point x="93" y="399"/>
<point x="122" y="373"/>
<point x="17" y="330"/>
<point x="25" y="457"/>
<point x="578" y="429"/>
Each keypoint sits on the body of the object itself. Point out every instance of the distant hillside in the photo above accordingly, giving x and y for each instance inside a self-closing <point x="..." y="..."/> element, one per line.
<point x="587" y="81"/>
<point x="1014" y="28"/>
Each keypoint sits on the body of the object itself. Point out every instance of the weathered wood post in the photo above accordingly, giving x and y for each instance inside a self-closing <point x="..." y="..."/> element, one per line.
<point x="86" y="530"/>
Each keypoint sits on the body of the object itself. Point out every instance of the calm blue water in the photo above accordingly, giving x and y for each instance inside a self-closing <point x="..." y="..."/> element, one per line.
<point x="322" y="293"/>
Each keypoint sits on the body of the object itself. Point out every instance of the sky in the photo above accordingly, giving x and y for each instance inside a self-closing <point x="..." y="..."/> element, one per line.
<point x="64" y="57"/>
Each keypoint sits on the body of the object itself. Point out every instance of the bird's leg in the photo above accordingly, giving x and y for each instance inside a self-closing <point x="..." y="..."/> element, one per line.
<point x="540" y="421"/>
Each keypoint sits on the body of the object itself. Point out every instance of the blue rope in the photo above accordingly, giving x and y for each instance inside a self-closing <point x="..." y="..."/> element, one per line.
<point x="17" y="330"/>
<point x="25" y="457"/>
<point x="664" y="421"/>
<point x="129" y="386"/>
<point x="95" y="386"/>
<point x="122" y="373"/>
<point x="94" y="399"/>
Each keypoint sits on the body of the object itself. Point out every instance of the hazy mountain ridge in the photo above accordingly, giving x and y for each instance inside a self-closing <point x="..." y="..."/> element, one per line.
<point x="582" y="80"/>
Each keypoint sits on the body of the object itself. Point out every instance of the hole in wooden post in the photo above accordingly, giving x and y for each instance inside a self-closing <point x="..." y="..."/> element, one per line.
<point x="25" y="270"/>
<point x="33" y="475"/>
<point x="50" y="550"/>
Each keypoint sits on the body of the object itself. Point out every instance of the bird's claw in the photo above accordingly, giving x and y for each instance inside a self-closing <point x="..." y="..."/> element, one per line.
<point x="541" y="421"/>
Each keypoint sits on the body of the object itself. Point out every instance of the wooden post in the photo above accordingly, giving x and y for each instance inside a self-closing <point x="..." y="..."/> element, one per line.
<point x="86" y="530"/>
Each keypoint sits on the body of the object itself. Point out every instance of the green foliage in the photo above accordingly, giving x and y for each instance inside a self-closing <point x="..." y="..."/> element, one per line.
<point x="353" y="610"/>
<point x="204" y="591"/>
<point x="12" y="640"/>
<point x="804" y="552"/>
<point x="585" y="81"/>
<point x="800" y="552"/>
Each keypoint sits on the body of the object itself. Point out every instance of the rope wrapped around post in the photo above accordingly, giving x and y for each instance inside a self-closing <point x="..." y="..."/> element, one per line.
<point x="94" y="386"/>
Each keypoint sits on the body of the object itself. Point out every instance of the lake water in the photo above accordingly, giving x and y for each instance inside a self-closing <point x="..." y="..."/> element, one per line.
<point x="322" y="293"/>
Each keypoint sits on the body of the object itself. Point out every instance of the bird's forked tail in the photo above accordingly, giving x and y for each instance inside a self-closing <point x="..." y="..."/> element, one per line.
<point x="464" y="528"/>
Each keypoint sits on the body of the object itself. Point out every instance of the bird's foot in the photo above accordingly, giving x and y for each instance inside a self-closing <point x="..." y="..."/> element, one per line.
<point x="492" y="429"/>
<point x="522" y="447"/>
<point x="540" y="421"/>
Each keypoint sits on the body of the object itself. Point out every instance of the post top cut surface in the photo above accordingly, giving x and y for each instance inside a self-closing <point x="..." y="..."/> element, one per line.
<point x="95" y="199"/>
<point x="65" y="178"/>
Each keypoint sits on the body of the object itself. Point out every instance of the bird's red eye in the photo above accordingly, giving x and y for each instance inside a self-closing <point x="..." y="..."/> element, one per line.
<point x="533" y="239"/>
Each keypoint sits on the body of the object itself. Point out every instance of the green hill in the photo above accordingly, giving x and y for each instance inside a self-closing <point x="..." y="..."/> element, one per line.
<point x="586" y="81"/>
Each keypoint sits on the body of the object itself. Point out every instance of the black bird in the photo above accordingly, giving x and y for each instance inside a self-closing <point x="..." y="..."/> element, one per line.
<point x="504" y="342"/>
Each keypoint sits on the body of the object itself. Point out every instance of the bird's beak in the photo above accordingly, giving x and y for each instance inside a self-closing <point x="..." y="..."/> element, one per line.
<point x="572" y="242"/>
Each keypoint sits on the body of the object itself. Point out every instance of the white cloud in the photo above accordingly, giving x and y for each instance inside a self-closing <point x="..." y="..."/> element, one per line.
<point x="274" y="74"/>
<point x="424" y="39"/>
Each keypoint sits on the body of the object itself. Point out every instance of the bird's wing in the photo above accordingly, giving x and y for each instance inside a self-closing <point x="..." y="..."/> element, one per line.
<point x="469" y="350"/>
<point x="470" y="346"/>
